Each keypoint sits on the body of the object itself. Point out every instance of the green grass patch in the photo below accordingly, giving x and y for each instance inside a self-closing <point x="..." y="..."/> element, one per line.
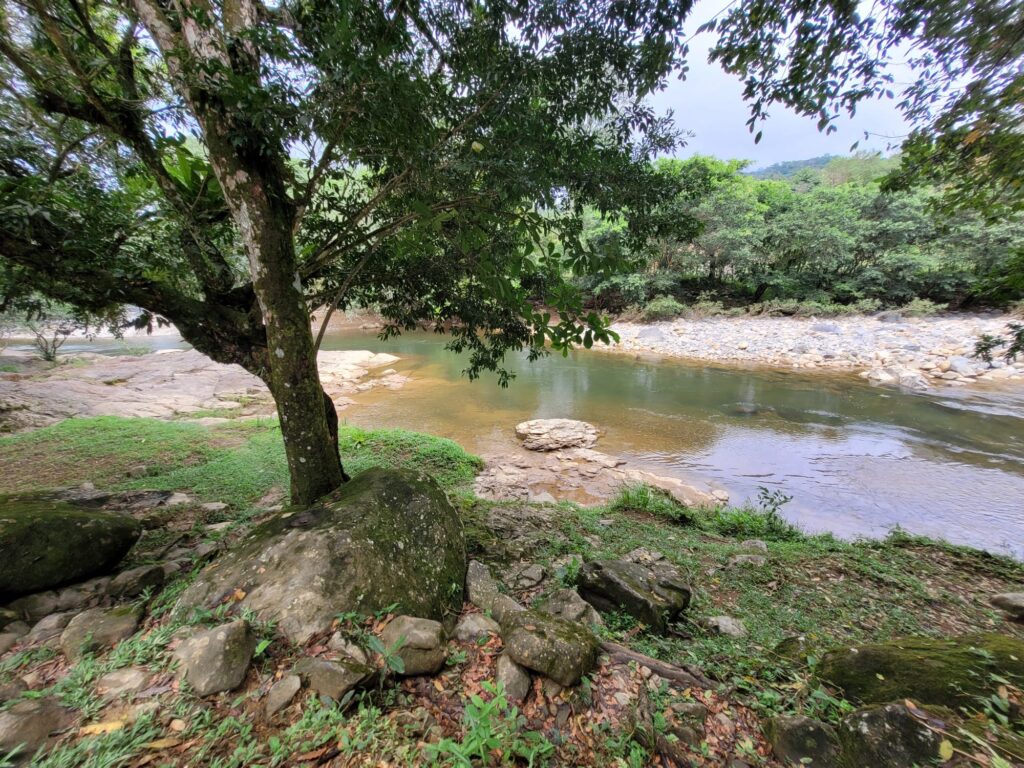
<point x="236" y="463"/>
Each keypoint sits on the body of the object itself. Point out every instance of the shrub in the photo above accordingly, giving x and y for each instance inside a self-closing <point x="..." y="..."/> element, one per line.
<point x="921" y="308"/>
<point x="662" y="308"/>
<point x="761" y="521"/>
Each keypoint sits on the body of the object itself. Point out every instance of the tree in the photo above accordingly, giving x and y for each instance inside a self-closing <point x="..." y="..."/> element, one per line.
<point x="231" y="166"/>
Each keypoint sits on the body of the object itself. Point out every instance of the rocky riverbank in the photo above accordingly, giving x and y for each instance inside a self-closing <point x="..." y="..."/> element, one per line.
<point x="888" y="349"/>
<point x="167" y="384"/>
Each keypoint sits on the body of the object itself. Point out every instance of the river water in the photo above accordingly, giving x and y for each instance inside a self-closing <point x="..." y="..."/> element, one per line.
<point x="858" y="460"/>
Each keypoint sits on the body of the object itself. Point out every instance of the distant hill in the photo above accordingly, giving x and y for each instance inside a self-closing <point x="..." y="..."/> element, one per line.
<point x="787" y="168"/>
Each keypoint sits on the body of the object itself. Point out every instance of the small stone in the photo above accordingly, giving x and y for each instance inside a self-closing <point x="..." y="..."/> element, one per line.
<point x="514" y="678"/>
<point x="27" y="725"/>
<point x="123" y="682"/>
<point x="888" y="735"/>
<point x="726" y="626"/>
<point x="474" y="626"/>
<point x="754" y="561"/>
<point x="217" y="659"/>
<point x="1010" y="602"/>
<point x="333" y="678"/>
<point x="754" y="545"/>
<point x="555" y="648"/>
<point x="654" y="595"/>
<point x="528" y="577"/>
<point x="567" y="604"/>
<point x="281" y="694"/>
<point x="17" y="628"/>
<point x="134" y="582"/>
<point x="339" y="642"/>
<point x="12" y="690"/>
<point x="7" y="641"/>
<point x="176" y="499"/>
<point x="554" y="434"/>
<point x="799" y="740"/>
<point x="214" y="506"/>
<point x="96" y="629"/>
<point x="218" y="527"/>
<point x="138" y="470"/>
<point x="38" y="606"/>
<point x="418" y="642"/>
<point x="47" y="630"/>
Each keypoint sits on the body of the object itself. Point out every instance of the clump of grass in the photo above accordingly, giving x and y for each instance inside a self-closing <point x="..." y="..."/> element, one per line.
<point x="661" y="308"/>
<point x="761" y="520"/>
<point x="650" y="500"/>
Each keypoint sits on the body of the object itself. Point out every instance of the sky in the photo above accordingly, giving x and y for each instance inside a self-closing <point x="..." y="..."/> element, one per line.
<point x="709" y="103"/>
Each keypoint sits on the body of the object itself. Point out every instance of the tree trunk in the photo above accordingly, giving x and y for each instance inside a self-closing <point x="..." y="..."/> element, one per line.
<point x="313" y="461"/>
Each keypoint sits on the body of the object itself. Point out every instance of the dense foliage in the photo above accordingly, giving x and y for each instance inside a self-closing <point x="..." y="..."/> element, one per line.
<point x="827" y="237"/>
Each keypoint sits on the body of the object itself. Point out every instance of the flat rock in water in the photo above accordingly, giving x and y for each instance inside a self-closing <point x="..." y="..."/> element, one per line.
<point x="654" y="595"/>
<point x="217" y="659"/>
<point x="48" y="543"/>
<point x="553" y="434"/>
<point x="556" y="648"/>
<point x="387" y="537"/>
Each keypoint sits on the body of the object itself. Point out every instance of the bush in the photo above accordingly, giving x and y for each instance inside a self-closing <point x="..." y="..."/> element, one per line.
<point x="661" y="308"/>
<point x="921" y="308"/>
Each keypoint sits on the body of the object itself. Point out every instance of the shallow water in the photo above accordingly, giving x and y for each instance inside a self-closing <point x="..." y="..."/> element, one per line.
<point x="857" y="459"/>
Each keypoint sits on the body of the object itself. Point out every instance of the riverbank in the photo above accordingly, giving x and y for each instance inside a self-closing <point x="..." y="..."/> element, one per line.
<point x="913" y="353"/>
<point x="758" y="610"/>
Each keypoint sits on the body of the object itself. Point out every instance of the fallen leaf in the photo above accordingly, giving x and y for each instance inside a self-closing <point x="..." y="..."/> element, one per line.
<point x="164" y="743"/>
<point x="108" y="726"/>
<point x="945" y="750"/>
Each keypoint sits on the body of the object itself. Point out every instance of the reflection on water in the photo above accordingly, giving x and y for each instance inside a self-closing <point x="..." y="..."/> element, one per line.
<point x="857" y="460"/>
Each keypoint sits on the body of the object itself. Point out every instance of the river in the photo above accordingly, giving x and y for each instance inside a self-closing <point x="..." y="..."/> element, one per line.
<point x="857" y="460"/>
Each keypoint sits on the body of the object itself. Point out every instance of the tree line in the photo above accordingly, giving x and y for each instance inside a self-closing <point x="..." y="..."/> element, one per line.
<point x="824" y="238"/>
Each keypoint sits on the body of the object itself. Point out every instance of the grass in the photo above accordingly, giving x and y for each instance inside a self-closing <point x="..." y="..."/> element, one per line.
<point x="236" y="463"/>
<point x="827" y="591"/>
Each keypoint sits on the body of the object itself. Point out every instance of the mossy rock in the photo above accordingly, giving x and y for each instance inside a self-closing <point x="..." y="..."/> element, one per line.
<point x="387" y="537"/>
<point x="951" y="672"/>
<point x="47" y="543"/>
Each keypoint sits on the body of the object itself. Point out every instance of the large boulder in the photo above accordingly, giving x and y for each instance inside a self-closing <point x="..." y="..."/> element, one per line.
<point x="47" y="543"/>
<point x="387" y="537"/>
<point x="926" y="670"/>
<point x="654" y="595"/>
<point x="554" y="434"/>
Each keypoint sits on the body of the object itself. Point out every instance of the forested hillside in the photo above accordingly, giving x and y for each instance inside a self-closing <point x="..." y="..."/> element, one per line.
<point x="821" y="241"/>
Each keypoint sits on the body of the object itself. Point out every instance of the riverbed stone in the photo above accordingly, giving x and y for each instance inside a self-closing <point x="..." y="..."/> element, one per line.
<point x="655" y="595"/>
<point x="567" y="604"/>
<point x="474" y="626"/>
<point x="802" y="741"/>
<point x="561" y="650"/>
<point x="513" y="677"/>
<point x="217" y="659"/>
<point x="333" y="678"/>
<point x="281" y="694"/>
<point x="888" y="735"/>
<point x="98" y="628"/>
<point x="951" y="672"/>
<point x="419" y="643"/>
<point x="48" y="543"/>
<point x="134" y="582"/>
<point x="29" y="723"/>
<point x="124" y="682"/>
<point x="1010" y="602"/>
<point x="554" y="434"/>
<point x="387" y="537"/>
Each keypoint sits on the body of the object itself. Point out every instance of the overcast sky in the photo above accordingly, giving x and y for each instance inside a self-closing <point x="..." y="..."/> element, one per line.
<point x="710" y="104"/>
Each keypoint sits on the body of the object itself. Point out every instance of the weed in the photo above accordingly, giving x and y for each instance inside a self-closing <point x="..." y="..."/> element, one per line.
<point x="653" y="501"/>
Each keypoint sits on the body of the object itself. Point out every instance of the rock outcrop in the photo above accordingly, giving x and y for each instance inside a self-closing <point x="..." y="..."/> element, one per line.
<point x="387" y="537"/>
<point x="47" y="543"/>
